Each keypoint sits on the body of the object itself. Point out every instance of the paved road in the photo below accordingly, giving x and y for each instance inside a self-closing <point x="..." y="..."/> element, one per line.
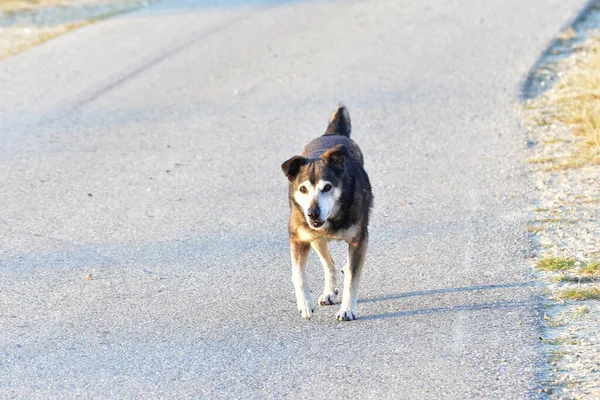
<point x="145" y="150"/>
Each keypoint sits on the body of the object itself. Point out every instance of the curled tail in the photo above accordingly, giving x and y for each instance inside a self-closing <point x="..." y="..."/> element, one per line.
<point x="339" y="123"/>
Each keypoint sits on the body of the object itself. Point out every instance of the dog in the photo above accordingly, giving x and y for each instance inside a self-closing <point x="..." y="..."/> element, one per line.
<point x="330" y="199"/>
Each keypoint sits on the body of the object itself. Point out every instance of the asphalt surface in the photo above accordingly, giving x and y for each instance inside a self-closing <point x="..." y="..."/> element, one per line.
<point x="143" y="152"/>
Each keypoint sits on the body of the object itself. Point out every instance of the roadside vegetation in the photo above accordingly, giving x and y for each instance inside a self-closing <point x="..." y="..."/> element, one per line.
<point x="574" y="102"/>
<point x="561" y="112"/>
<point x="28" y="23"/>
<point x="555" y="263"/>
<point x="577" y="100"/>
<point x="581" y="294"/>
<point x="23" y="5"/>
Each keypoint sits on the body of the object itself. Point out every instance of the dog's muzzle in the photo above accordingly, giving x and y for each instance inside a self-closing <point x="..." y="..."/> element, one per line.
<point x="314" y="217"/>
<point x="317" y="224"/>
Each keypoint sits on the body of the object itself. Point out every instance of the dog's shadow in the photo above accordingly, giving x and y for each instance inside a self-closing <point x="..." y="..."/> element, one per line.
<point x="468" y="307"/>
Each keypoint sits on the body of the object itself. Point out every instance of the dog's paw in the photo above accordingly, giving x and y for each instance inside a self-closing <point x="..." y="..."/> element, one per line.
<point x="306" y="309"/>
<point x="327" y="299"/>
<point x="346" y="315"/>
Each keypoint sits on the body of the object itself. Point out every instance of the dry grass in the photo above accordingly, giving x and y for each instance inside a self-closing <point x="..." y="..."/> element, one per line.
<point x="534" y="228"/>
<point x="16" y="41"/>
<point x="562" y="341"/>
<point x="590" y="268"/>
<point x="23" y="5"/>
<point x="581" y="294"/>
<point x="583" y="310"/>
<point x="575" y="102"/>
<point x="555" y="263"/>
<point x="554" y="322"/>
<point x="556" y="355"/>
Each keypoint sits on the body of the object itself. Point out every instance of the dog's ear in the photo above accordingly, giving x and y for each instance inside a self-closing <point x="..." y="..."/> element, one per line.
<point x="292" y="166"/>
<point x="335" y="156"/>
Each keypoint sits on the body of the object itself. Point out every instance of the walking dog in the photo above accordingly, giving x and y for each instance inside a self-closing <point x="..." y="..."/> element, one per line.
<point x="330" y="199"/>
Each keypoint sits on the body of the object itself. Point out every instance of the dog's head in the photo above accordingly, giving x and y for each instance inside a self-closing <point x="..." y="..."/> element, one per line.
<point x="316" y="185"/>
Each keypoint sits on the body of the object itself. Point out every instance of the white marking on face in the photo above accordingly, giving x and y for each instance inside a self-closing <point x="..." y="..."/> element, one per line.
<point x="304" y="195"/>
<point x="324" y="194"/>
<point x="327" y="198"/>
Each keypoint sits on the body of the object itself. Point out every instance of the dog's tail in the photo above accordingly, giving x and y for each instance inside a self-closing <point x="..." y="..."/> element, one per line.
<point x="339" y="123"/>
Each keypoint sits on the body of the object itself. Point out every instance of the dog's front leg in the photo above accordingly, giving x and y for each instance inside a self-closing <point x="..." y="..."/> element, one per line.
<point x="304" y="299"/>
<point x="352" y="272"/>
<point x="329" y="291"/>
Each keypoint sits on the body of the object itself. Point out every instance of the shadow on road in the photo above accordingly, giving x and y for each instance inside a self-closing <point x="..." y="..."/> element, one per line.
<point x="447" y="290"/>
<point x="470" y="307"/>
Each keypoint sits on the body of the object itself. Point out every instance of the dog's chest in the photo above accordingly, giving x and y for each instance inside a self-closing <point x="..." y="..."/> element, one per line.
<point x="309" y="235"/>
<point x="347" y="234"/>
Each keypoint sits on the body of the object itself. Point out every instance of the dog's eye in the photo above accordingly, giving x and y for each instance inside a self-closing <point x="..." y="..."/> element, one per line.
<point x="303" y="189"/>
<point x="327" y="188"/>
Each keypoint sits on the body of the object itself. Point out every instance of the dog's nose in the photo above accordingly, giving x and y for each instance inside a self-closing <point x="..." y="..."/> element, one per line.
<point x="313" y="213"/>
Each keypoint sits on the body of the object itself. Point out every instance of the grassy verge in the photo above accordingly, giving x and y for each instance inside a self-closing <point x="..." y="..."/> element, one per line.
<point x="13" y="6"/>
<point x="31" y="22"/>
<point x="590" y="268"/>
<point x="581" y="294"/>
<point x="575" y="103"/>
<point x="555" y="263"/>
<point x="561" y="112"/>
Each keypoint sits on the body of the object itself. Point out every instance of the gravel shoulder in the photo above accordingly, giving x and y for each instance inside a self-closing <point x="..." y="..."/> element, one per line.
<point x="565" y="216"/>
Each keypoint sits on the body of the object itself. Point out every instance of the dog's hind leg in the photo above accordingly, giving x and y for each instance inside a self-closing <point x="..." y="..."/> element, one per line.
<point x="329" y="291"/>
<point x="304" y="299"/>
<point x="352" y="272"/>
